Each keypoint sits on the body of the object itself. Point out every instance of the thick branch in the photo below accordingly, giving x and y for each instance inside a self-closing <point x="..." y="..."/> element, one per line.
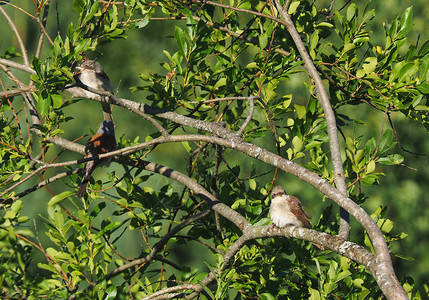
<point x="199" y="191"/>
<point x="322" y="96"/>
<point x="80" y="93"/>
<point x="17" y="66"/>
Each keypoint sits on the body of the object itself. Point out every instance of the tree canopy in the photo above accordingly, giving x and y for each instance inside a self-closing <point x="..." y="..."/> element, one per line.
<point x="246" y="96"/>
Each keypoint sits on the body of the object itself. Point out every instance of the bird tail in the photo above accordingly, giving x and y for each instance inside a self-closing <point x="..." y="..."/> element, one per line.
<point x="107" y="110"/>
<point x="82" y="190"/>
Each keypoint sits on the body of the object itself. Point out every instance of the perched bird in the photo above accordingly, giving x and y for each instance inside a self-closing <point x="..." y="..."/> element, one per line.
<point x="102" y="142"/>
<point x="91" y="74"/>
<point x="286" y="210"/>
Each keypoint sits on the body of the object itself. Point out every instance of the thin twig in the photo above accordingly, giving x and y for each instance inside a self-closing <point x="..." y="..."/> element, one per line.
<point x="38" y="186"/>
<point x="16" y="92"/>
<point x="249" y="116"/>
<point x="42" y="24"/>
<point x="17" y="35"/>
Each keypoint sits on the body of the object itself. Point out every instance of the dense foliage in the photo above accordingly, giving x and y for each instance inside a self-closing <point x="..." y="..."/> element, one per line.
<point x="229" y="88"/>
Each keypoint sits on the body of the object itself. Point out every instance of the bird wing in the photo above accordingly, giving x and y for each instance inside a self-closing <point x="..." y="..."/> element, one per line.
<point x="296" y="208"/>
<point x="98" y="144"/>
<point x="89" y="168"/>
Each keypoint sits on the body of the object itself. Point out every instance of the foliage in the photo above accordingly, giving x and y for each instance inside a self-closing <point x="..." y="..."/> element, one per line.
<point x="224" y="55"/>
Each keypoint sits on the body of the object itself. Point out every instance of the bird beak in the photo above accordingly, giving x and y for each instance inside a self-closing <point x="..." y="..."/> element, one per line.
<point x="78" y="70"/>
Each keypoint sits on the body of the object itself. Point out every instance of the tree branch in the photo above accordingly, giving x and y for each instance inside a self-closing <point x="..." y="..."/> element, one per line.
<point x="385" y="275"/>
<point x="17" y="35"/>
<point x="322" y="96"/>
<point x="80" y="93"/>
<point x="17" y="66"/>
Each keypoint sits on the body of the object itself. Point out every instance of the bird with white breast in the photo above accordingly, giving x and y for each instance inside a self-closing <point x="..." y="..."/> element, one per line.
<point x="286" y="210"/>
<point x="91" y="74"/>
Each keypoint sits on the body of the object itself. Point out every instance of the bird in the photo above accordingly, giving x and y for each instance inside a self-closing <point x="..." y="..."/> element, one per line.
<point x="286" y="210"/>
<point x="102" y="141"/>
<point x="91" y="74"/>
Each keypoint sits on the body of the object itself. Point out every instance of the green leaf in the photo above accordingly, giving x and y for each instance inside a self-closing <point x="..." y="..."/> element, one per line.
<point x="314" y="39"/>
<point x="58" y="198"/>
<point x="369" y="64"/>
<point x="57" y="47"/>
<point x="386" y="141"/>
<point x="43" y="103"/>
<point x="342" y="275"/>
<point x="220" y="82"/>
<point x="142" y="23"/>
<point x="187" y="147"/>
<point x="360" y="73"/>
<point x="179" y="35"/>
<point x="109" y="227"/>
<point x="324" y="24"/>
<point x="252" y="184"/>
<point x="37" y="66"/>
<point x="57" y="100"/>
<point x="111" y="293"/>
<point x="113" y="17"/>
<point x="351" y="11"/>
<point x="348" y="47"/>
<point x="58" y="254"/>
<point x="423" y="88"/>
<point x="312" y="145"/>
<point x="405" y="25"/>
<point x="266" y="296"/>
<point x="369" y="148"/>
<point x="238" y="203"/>
<point x="252" y="65"/>
<point x="392" y="31"/>
<point x="297" y="144"/>
<point x="263" y="40"/>
<point x="293" y="6"/>
<point x="314" y="294"/>
<point x="385" y="225"/>
<point x="245" y="5"/>
<point x="92" y="12"/>
<point x="392" y="159"/>
<point x="79" y="5"/>
<point x="370" y="167"/>
<point x="368" y="16"/>
<point x="424" y="70"/>
<point x="13" y="211"/>
<point x="408" y="70"/>
<point x="300" y="111"/>
<point x="424" y="49"/>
